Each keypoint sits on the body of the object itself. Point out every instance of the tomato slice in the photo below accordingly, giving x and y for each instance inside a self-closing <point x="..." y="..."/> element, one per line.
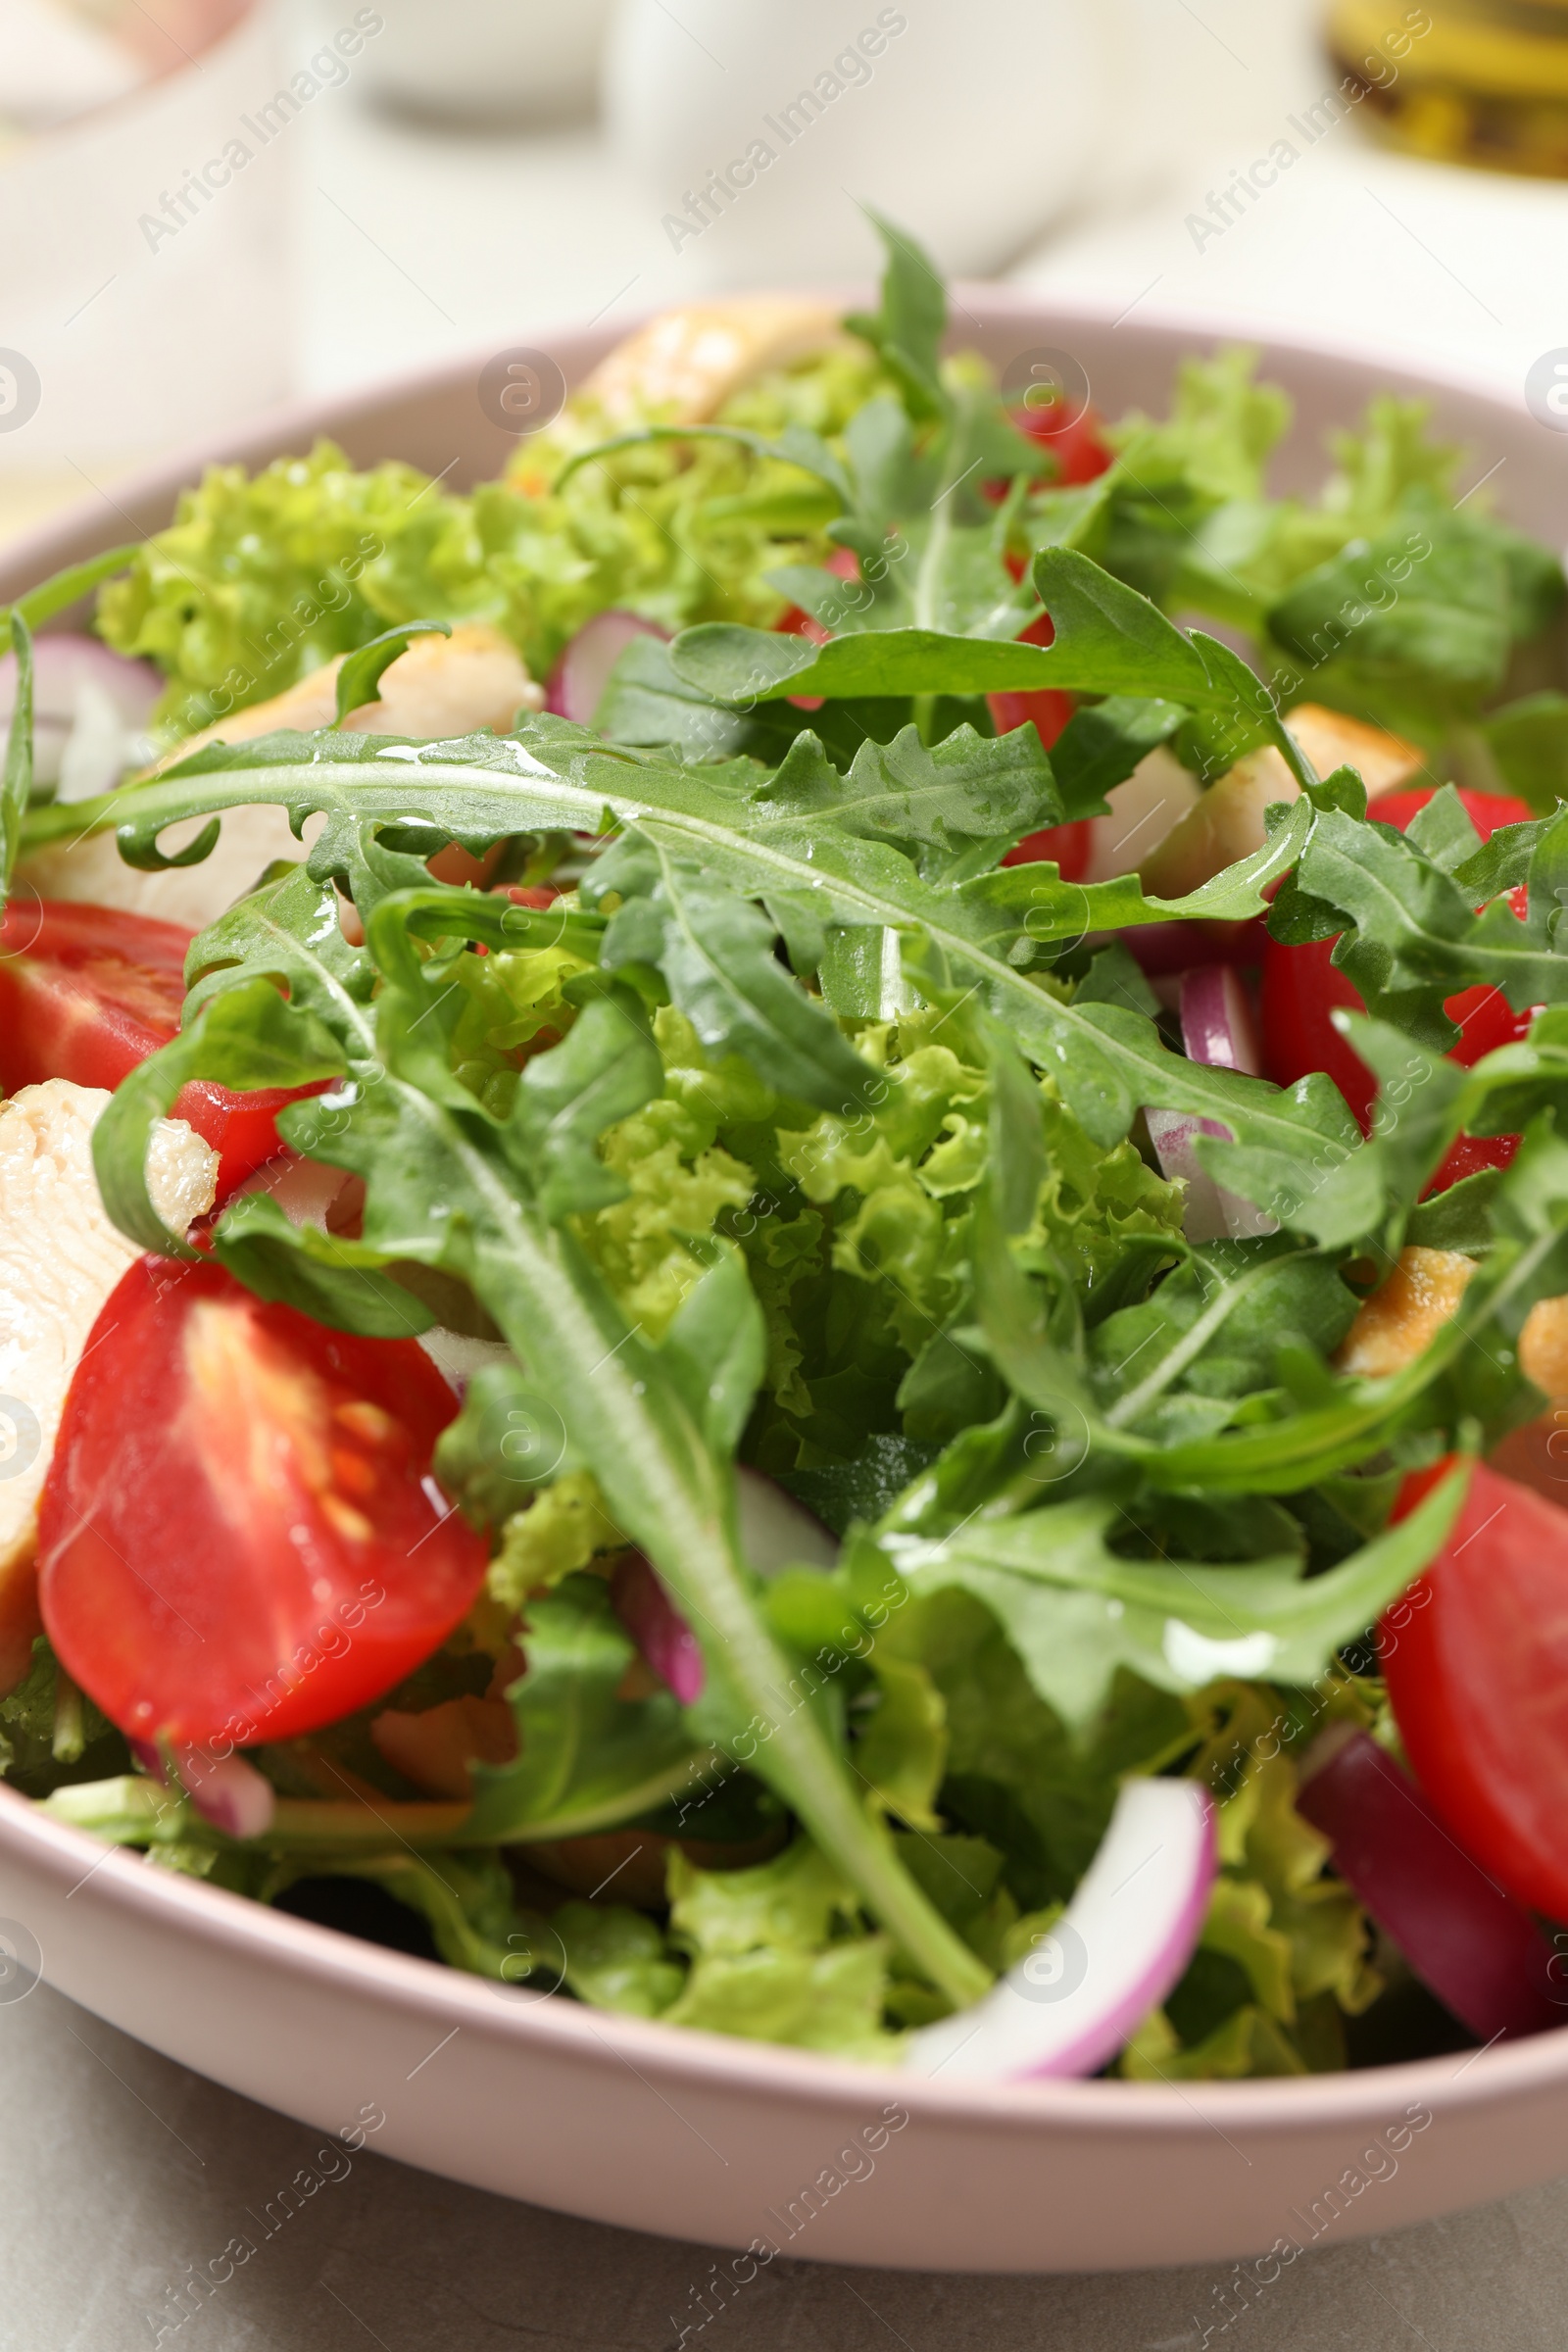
<point x="239" y="1538"/>
<point x="1301" y="986"/>
<point x="1076" y="443"/>
<point x="1476" y="1657"/>
<point x="88" y="992"/>
<point x="1049" y="709"/>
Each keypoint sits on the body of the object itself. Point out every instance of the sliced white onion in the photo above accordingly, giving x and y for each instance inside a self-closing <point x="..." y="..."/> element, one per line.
<point x="90" y="713"/>
<point x="778" y="1532"/>
<point x="1115" y="1954"/>
<point x="579" y="678"/>
<point x="1219" y="1031"/>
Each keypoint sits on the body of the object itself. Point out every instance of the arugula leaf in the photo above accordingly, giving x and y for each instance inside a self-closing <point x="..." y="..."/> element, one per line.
<point x="1108" y="640"/>
<point x="647" y="704"/>
<point x="713" y="1351"/>
<point x="1417" y="622"/>
<point x="287" y="931"/>
<point x="1412" y="936"/>
<point x="605" y="1067"/>
<point x="1108" y="1059"/>
<point x="1102" y="743"/>
<point x="359" y="681"/>
<point x="62" y="589"/>
<point x="586" y="1758"/>
<point x="908" y="330"/>
<point x="245" y="1039"/>
<point x="966" y="790"/>
<point x="443" y="1191"/>
<point x="715" y="951"/>
<point x="1075" y="1610"/>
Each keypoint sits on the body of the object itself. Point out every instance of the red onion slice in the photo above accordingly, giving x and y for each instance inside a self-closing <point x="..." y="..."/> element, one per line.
<point x="662" y="1634"/>
<point x="1115" y="1954"/>
<point x="60" y="664"/>
<point x="579" y="678"/>
<point x="90" y="710"/>
<point x="1217" y="1024"/>
<point x="1161" y="949"/>
<point x="229" y="1792"/>
<point x="1174" y="1135"/>
<point x="776" y="1533"/>
<point x="1217" y="1030"/>
<point x="1479" y="1951"/>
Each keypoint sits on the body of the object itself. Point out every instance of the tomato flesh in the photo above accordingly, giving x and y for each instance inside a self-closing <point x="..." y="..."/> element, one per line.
<point x="1049" y="709"/>
<point x="1476" y="1658"/>
<point x="87" y="993"/>
<point x="239" y="1538"/>
<point x="1303" y="987"/>
<point x="1076" y="443"/>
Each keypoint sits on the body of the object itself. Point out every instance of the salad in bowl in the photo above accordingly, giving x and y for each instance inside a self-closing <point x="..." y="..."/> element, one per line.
<point x="782" y="1227"/>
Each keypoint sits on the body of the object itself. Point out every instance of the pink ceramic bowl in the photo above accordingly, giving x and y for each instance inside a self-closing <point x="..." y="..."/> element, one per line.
<point x="732" y="2142"/>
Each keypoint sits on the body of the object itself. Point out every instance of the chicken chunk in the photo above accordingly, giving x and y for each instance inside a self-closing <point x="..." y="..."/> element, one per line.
<point x="1405" y="1312"/>
<point x="682" y="366"/>
<point x="1227" y="823"/>
<point x="438" y="686"/>
<point x="60" y="1258"/>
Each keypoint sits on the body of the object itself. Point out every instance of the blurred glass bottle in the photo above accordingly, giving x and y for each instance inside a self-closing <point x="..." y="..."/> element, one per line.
<point x="1480" y="81"/>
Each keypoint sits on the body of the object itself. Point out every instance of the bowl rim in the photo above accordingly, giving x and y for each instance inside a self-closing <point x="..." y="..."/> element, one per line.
<point x="230" y="1923"/>
<point x="326" y="414"/>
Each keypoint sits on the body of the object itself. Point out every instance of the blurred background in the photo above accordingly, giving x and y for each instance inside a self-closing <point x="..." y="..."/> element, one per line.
<point x="208" y="208"/>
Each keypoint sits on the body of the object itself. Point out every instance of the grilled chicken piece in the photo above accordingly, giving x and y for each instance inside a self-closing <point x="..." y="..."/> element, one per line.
<point x="1405" y="1312"/>
<point x="1227" y="823"/>
<point x="439" y="686"/>
<point x="60" y="1258"/>
<point x="682" y="366"/>
<point x="1408" y="1312"/>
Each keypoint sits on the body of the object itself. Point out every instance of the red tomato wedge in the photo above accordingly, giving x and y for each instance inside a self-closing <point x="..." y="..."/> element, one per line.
<point x="1476" y="1656"/>
<point x="240" y="1539"/>
<point x="1049" y="709"/>
<point x="1075" y="442"/>
<point x="88" y="992"/>
<point x="845" y="565"/>
<point x="1302" y="988"/>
